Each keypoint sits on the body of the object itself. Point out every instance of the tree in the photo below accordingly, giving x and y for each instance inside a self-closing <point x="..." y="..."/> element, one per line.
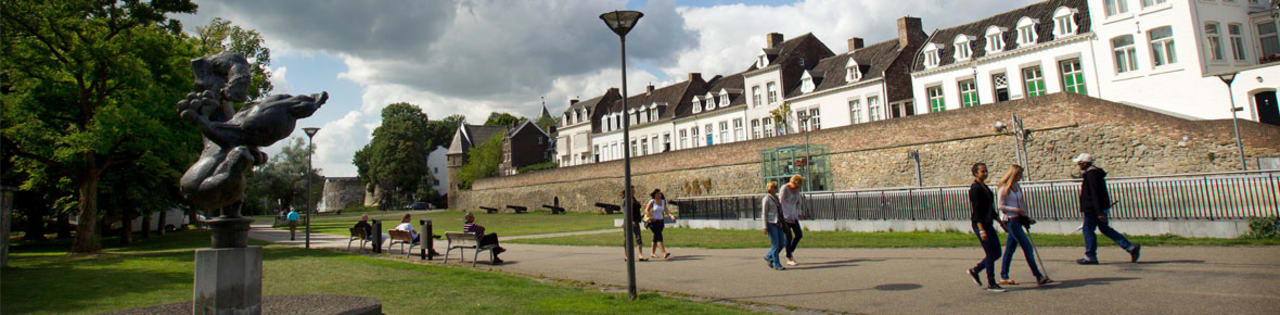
<point x="502" y="119"/>
<point x="283" y="180"/>
<point x="547" y="122"/>
<point x="442" y="130"/>
<point x="781" y="118"/>
<point x="221" y="35"/>
<point x="395" y="160"/>
<point x="482" y="163"/>
<point x="89" y="81"/>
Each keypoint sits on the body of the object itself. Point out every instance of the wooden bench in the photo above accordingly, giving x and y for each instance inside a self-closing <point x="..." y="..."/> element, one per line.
<point x="518" y="209"/>
<point x="489" y="210"/>
<point x="401" y="237"/>
<point x="357" y="235"/>
<point x="609" y="208"/>
<point x="554" y="209"/>
<point x="464" y="241"/>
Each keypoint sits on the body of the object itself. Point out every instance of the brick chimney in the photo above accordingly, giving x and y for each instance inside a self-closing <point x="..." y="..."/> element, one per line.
<point x="772" y="40"/>
<point x="695" y="76"/>
<point x="909" y="27"/>
<point x="648" y="89"/>
<point x="855" y="43"/>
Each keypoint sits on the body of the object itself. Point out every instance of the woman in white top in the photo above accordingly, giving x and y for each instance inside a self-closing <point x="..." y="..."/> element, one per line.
<point x="406" y="226"/>
<point x="656" y="213"/>
<point x="792" y="211"/>
<point x="773" y="225"/>
<point x="1013" y="209"/>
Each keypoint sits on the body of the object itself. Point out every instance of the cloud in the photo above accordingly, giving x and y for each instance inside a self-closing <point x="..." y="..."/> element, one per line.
<point x="338" y="141"/>
<point x="279" y="83"/>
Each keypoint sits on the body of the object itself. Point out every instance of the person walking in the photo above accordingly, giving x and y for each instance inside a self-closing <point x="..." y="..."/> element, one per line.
<point x="636" y="218"/>
<point x="293" y="222"/>
<point x="773" y="225"/>
<point x="792" y="212"/>
<point x="655" y="214"/>
<point x="1095" y="205"/>
<point x="1013" y="209"/>
<point x="982" y="200"/>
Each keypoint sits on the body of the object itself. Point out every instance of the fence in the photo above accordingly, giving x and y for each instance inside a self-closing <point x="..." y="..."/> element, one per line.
<point x="1201" y="196"/>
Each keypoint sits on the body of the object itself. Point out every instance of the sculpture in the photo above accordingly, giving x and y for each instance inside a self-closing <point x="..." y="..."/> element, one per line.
<point x="232" y="139"/>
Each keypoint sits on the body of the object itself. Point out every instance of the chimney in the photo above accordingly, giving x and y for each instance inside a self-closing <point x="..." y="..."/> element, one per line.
<point x="855" y="43"/>
<point x="907" y="28"/>
<point x="573" y="101"/>
<point x="695" y="76"/>
<point x="648" y="89"/>
<point x="772" y="40"/>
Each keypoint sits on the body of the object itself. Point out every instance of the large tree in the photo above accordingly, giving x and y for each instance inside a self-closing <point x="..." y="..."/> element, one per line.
<point x="283" y="180"/>
<point x="482" y="162"/>
<point x="502" y="119"/>
<point x="220" y="35"/>
<point x="93" y="83"/>
<point x="395" y="160"/>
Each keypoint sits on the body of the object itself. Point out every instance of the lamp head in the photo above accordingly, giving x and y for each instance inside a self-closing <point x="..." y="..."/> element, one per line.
<point x="621" y="22"/>
<point x="311" y="131"/>
<point x="1227" y="77"/>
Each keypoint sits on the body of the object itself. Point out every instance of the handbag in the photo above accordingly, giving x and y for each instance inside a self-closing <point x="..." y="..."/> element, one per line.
<point x="648" y="213"/>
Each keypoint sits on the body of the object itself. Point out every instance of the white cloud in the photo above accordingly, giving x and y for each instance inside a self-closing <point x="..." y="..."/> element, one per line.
<point x="279" y="81"/>
<point x="337" y="143"/>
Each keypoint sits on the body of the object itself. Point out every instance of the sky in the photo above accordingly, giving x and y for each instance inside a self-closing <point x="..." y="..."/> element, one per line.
<point x="473" y="57"/>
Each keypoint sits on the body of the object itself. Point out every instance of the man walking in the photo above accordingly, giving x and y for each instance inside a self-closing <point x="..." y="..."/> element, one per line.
<point x="293" y="222"/>
<point x="1095" y="203"/>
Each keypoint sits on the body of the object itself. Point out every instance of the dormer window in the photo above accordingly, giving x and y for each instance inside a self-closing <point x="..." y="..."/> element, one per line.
<point x="697" y="105"/>
<point x="710" y="99"/>
<point x="1027" y="31"/>
<point x="995" y="39"/>
<point x="852" y="72"/>
<point x="931" y="55"/>
<point x="962" y="42"/>
<point x="724" y="98"/>
<point x="654" y="114"/>
<point x="806" y="82"/>
<point x="1064" y="22"/>
<point x="762" y="61"/>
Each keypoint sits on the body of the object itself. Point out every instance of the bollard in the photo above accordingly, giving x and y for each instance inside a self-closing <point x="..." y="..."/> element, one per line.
<point x="377" y="236"/>
<point x="427" y="237"/>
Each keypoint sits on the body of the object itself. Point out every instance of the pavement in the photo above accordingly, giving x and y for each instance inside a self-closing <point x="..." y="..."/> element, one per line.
<point x="1167" y="280"/>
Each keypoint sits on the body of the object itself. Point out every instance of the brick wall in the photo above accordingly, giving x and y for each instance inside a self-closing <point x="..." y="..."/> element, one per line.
<point x="1126" y="141"/>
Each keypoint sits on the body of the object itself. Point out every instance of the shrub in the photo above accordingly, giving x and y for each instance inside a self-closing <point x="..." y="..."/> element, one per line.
<point x="538" y="166"/>
<point x="1263" y="227"/>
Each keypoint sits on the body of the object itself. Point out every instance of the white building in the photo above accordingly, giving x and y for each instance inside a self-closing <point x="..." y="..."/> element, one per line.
<point x="717" y="115"/>
<point x="651" y="114"/>
<point x="579" y="122"/>
<point x="776" y="72"/>
<point x="438" y="165"/>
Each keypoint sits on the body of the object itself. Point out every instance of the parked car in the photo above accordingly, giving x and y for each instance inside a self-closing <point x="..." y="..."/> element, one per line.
<point x="421" y="205"/>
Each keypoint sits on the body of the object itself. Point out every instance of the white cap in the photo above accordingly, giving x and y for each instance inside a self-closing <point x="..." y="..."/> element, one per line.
<point x="1083" y="158"/>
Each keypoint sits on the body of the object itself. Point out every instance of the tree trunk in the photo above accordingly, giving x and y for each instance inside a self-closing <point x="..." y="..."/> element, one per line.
<point x="64" y="226"/>
<point x="87" y="239"/>
<point x="35" y="224"/>
<point x="160" y="226"/>
<point x="146" y="225"/>
<point x="126" y="232"/>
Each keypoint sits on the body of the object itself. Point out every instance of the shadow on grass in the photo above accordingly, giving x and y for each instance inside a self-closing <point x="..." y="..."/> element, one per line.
<point x="87" y="281"/>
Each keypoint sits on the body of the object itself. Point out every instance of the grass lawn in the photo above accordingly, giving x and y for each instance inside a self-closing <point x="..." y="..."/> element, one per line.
<point x="505" y="224"/>
<point x="709" y="238"/>
<point x="159" y="271"/>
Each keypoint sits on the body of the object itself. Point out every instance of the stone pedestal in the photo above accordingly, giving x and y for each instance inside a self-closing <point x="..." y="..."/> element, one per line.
<point x="228" y="281"/>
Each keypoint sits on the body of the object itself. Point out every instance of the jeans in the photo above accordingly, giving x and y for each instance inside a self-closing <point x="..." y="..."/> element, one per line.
<point x="656" y="228"/>
<point x="1018" y="238"/>
<point x="1091" y="239"/>
<point x="777" y="241"/>
<point x="991" y="247"/>
<point x="794" y="234"/>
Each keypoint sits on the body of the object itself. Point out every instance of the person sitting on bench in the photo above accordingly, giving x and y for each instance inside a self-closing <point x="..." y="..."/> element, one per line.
<point x="406" y="226"/>
<point x="485" y="239"/>
<point x="363" y="225"/>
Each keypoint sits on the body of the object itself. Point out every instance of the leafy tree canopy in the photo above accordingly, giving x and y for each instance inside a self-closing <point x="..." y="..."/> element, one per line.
<point x="395" y="160"/>
<point x="502" y="119"/>
<point x="220" y="35"/>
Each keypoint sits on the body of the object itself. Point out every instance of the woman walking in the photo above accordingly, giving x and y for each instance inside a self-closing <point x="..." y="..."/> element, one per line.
<point x="655" y="214"/>
<point x="773" y="223"/>
<point x="982" y="199"/>
<point x="1013" y="208"/>
<point x="634" y="212"/>
<point x="792" y="211"/>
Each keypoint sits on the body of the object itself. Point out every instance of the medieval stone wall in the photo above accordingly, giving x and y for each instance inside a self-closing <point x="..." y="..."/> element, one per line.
<point x="1126" y="141"/>
<point x="342" y="192"/>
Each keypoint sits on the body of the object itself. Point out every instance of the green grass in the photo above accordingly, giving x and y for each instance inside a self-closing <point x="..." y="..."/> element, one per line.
<point x="159" y="271"/>
<point x="709" y="238"/>
<point x="505" y="224"/>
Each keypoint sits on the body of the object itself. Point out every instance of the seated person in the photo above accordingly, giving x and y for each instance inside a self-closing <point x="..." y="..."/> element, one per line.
<point x="363" y="225"/>
<point x="485" y="239"/>
<point x="406" y="226"/>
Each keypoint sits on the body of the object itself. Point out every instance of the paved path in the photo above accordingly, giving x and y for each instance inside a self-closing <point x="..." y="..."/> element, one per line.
<point x="1169" y="280"/>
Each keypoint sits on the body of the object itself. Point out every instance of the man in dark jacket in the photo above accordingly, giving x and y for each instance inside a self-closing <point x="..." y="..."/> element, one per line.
<point x="1095" y="203"/>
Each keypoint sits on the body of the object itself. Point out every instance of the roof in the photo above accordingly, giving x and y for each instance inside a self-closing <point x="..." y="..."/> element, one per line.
<point x="590" y="104"/>
<point x="872" y="62"/>
<point x="527" y="123"/>
<point x="675" y="96"/>
<point x="733" y="83"/>
<point x="1042" y="11"/>
<point x="794" y="56"/>
<point x="468" y="136"/>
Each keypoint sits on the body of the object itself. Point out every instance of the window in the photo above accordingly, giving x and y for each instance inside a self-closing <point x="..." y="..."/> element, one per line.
<point x="962" y="47"/>
<point x="1214" y="39"/>
<point x="615" y="150"/>
<point x="1267" y="39"/>
<point x="635" y="150"/>
<point x="666" y="142"/>
<point x="1000" y="82"/>
<point x="1033" y="81"/>
<point x="696" y="140"/>
<point x="684" y="139"/>
<point x="1114" y="7"/>
<point x="1123" y="52"/>
<point x="697" y="105"/>
<point x="855" y="111"/>
<point x="873" y="108"/>
<point x="1027" y="31"/>
<point x="644" y="146"/>
<point x="806" y="82"/>
<point x="1150" y="3"/>
<point x="1072" y="76"/>
<point x="1162" y="49"/>
<point x="737" y="129"/>
<point x="852" y="72"/>
<point x="768" y="127"/>
<point x="709" y="133"/>
<point x="755" y="129"/>
<point x="724" y="98"/>
<point x="995" y="39"/>
<point x="802" y="121"/>
<point x="936" y="101"/>
<point x="815" y="118"/>
<point x="755" y="95"/>
<point x="968" y="93"/>
<point x="762" y="61"/>
<point x="931" y="55"/>
<point x="710" y="99"/>
<point x="1237" y="43"/>
<point x="772" y="89"/>
<point x="1064" y="22"/>
<point x="724" y="131"/>
<point x="656" y="145"/>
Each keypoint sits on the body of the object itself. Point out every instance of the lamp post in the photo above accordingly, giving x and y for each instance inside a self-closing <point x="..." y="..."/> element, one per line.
<point x="621" y="22"/>
<point x="1228" y="78"/>
<point x="311" y="133"/>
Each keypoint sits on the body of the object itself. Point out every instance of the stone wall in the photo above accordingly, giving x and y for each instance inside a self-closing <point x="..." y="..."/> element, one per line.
<point x="1127" y="141"/>
<point x="342" y="192"/>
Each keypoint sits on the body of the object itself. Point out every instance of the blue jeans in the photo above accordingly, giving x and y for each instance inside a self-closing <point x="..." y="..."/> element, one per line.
<point x="991" y="247"/>
<point x="777" y="241"/>
<point x="793" y="232"/>
<point x="1091" y="240"/>
<point x="1018" y="238"/>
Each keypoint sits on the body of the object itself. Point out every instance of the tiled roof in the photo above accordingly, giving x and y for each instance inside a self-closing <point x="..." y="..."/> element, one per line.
<point x="590" y="104"/>
<point x="872" y="61"/>
<point x="675" y="96"/>
<point x="733" y="83"/>
<point x="480" y="133"/>
<point x="1042" y="11"/>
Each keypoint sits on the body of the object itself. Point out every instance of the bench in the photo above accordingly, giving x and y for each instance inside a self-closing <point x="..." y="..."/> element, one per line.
<point x="489" y="210"/>
<point x="462" y="242"/>
<point x="518" y="209"/>
<point x="554" y="209"/>
<point x="401" y="237"/>
<point x="357" y="234"/>
<point x="609" y="208"/>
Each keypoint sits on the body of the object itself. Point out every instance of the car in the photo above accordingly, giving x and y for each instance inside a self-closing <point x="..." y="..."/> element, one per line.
<point x="421" y="205"/>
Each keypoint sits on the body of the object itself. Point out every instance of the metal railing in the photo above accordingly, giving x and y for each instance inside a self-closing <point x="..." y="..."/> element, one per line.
<point x="1201" y="196"/>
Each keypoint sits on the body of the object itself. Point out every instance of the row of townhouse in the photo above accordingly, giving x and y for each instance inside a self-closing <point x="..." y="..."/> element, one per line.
<point x="1162" y="55"/>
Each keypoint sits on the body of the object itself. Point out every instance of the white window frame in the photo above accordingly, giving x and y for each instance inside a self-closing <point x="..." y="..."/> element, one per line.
<point x="772" y="89"/>
<point x="1027" y="31"/>
<point x="855" y="111"/>
<point x="724" y="98"/>
<point x="815" y="118"/>
<point x="852" y="71"/>
<point x="873" y="108"/>
<point x="1064" y="22"/>
<point x="768" y="128"/>
<point x="1238" y="51"/>
<point x="972" y="89"/>
<point x="937" y="98"/>
<point x="1163" y="50"/>
<point x="931" y="55"/>
<point x="1113" y="8"/>
<point x="1125" y="56"/>
<point x="1262" y="38"/>
<point x="724" y="132"/>
<point x="1213" y="41"/>
<point x="684" y="139"/>
<point x="695" y="136"/>
<point x="755" y="96"/>
<point x="755" y="129"/>
<point x="962" y="45"/>
<point x="995" y="39"/>
<point x="737" y="129"/>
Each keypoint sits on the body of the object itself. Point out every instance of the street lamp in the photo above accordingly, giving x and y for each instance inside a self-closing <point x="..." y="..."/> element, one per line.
<point x="1228" y="78"/>
<point x="311" y="133"/>
<point x="621" y="22"/>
